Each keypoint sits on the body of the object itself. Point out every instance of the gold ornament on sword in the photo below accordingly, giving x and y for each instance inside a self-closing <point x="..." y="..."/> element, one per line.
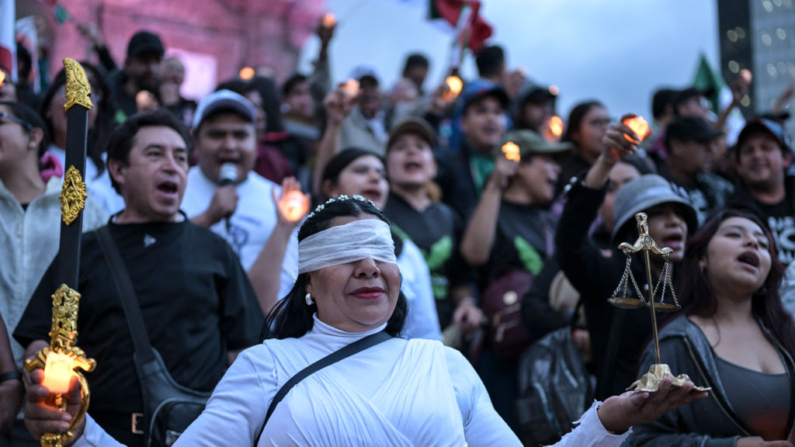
<point x="73" y="195"/>
<point x="78" y="89"/>
<point x="650" y="382"/>
<point x="62" y="360"/>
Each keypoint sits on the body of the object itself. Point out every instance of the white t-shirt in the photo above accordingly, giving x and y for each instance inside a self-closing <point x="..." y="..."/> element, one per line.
<point x="98" y="187"/>
<point x="250" y="226"/>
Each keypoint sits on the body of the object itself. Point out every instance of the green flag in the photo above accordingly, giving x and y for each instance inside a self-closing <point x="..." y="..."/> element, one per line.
<point x="709" y="81"/>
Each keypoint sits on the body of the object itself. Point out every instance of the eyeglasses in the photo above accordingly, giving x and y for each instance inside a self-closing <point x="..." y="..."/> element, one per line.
<point x="6" y="117"/>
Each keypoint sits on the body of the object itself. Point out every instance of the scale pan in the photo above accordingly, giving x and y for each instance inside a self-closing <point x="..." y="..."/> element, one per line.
<point x="626" y="303"/>
<point x="665" y="307"/>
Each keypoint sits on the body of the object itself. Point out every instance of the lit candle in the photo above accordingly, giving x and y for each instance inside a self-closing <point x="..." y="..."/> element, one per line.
<point x="246" y="73"/>
<point x="57" y="372"/>
<point x="455" y="84"/>
<point x="351" y="88"/>
<point x="328" y="20"/>
<point x="294" y="205"/>
<point x="556" y="126"/>
<point x="143" y="99"/>
<point x="2" y="77"/>
<point x="511" y="151"/>
<point x="640" y="126"/>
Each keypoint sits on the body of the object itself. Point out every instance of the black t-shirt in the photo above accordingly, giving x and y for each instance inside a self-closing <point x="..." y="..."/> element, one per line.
<point x="437" y="231"/>
<point x="195" y="298"/>
<point x="523" y="240"/>
<point x="781" y="219"/>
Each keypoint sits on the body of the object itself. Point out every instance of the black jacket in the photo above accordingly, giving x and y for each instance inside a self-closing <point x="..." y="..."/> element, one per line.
<point x="709" y="422"/>
<point x="618" y="336"/>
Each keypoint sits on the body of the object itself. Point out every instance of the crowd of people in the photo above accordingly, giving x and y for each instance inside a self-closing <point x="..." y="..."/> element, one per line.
<point x="425" y="228"/>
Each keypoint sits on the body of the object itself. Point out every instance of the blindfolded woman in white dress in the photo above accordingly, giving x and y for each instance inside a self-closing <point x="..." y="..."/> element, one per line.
<point x="397" y="392"/>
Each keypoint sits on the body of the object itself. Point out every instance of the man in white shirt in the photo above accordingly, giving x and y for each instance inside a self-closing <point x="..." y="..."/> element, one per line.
<point x="243" y="212"/>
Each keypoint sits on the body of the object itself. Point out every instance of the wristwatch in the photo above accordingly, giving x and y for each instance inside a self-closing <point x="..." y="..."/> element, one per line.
<point x="10" y="375"/>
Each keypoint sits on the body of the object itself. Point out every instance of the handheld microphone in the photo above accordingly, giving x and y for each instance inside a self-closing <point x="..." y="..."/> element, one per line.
<point x="228" y="176"/>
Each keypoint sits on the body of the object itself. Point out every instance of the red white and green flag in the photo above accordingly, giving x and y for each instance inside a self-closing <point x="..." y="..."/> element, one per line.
<point x="461" y="14"/>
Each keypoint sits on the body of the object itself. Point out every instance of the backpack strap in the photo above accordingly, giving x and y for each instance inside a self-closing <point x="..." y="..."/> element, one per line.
<point x="334" y="357"/>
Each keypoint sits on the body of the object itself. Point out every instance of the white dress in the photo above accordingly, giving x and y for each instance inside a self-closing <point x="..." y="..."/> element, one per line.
<point x="399" y="393"/>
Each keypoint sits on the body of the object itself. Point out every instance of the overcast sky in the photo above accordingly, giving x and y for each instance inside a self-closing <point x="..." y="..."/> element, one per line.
<point x="616" y="51"/>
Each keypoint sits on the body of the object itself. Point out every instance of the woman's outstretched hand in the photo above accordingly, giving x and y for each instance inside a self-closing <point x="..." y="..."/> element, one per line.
<point x="619" y="413"/>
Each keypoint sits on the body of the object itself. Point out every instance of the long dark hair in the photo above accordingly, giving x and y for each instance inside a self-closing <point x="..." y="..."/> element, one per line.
<point x="292" y="317"/>
<point x="106" y="113"/>
<point x="697" y="295"/>
<point x="576" y="116"/>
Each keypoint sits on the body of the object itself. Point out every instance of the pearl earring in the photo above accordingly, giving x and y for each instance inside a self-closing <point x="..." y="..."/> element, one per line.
<point x="308" y="299"/>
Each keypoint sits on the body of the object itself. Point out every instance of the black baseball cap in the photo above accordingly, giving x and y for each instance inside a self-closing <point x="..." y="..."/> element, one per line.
<point x="414" y="126"/>
<point x="538" y="94"/>
<point x="477" y="90"/>
<point x="144" y="41"/>
<point x="691" y="128"/>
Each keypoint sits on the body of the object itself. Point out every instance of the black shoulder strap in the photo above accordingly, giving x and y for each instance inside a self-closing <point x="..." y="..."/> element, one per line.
<point x="124" y="287"/>
<point x="334" y="357"/>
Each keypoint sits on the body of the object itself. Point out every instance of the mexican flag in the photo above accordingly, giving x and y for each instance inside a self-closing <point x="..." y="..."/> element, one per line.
<point x="8" y="46"/>
<point x="460" y="14"/>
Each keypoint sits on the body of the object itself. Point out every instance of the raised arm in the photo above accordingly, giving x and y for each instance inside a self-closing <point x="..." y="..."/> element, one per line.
<point x="338" y="105"/>
<point x="480" y="232"/>
<point x="574" y="249"/>
<point x="265" y="274"/>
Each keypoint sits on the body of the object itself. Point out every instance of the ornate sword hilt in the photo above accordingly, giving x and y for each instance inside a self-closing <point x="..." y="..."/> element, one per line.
<point x="63" y="335"/>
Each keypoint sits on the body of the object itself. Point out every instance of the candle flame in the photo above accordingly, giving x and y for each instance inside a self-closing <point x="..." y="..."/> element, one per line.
<point x="2" y="77"/>
<point x="511" y="151"/>
<point x="351" y="88"/>
<point x="329" y="20"/>
<point x="58" y="372"/>
<point x="455" y="84"/>
<point x="639" y="125"/>
<point x="556" y="126"/>
<point x="294" y="205"/>
<point x="246" y="73"/>
<point x="143" y="99"/>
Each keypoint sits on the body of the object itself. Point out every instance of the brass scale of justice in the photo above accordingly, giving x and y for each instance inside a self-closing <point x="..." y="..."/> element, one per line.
<point x="650" y="381"/>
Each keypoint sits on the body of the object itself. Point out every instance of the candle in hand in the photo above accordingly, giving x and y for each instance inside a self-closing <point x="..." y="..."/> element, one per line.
<point x="294" y="205"/>
<point x="57" y="372"/>
<point x="350" y="88"/>
<point x="328" y="20"/>
<point x="246" y="73"/>
<point x="556" y="126"/>
<point x="511" y="151"/>
<point x="455" y="84"/>
<point x="638" y="125"/>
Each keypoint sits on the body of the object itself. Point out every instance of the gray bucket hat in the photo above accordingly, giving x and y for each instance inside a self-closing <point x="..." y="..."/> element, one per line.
<point x="646" y="192"/>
